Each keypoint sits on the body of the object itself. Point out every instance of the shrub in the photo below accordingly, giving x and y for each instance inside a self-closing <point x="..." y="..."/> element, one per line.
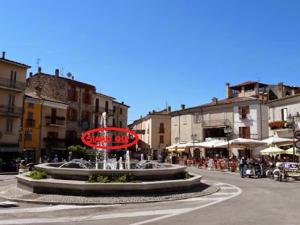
<point x="114" y="178"/>
<point x="38" y="174"/>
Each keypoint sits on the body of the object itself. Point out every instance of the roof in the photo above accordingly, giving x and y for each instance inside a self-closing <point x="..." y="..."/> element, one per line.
<point x="246" y="83"/>
<point x="106" y="96"/>
<point x="221" y="102"/>
<point x="33" y="94"/>
<point x="121" y="103"/>
<point x="14" y="63"/>
<point x="163" y="112"/>
<point x="282" y="100"/>
<point x="67" y="79"/>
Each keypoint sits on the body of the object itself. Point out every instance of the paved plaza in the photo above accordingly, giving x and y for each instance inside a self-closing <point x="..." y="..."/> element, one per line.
<point x="239" y="201"/>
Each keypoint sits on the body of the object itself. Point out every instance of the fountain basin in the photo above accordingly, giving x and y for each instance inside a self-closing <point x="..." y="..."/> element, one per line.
<point x="166" y="172"/>
<point x="78" y="187"/>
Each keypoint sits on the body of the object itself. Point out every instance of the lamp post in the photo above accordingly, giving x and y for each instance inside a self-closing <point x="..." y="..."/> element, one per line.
<point x="228" y="131"/>
<point x="291" y="121"/>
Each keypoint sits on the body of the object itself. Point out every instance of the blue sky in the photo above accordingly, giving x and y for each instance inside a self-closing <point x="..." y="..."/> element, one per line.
<point x="149" y="53"/>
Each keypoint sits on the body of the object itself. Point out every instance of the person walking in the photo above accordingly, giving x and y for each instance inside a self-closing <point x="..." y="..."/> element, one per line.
<point x="242" y="165"/>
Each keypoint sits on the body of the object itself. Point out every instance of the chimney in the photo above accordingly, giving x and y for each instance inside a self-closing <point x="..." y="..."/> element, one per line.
<point x="72" y="77"/>
<point x="228" y="91"/>
<point x="280" y="90"/>
<point x="182" y="106"/>
<point x="214" y="100"/>
<point x="57" y="72"/>
<point x="39" y="69"/>
<point x="3" y="55"/>
<point x="169" y="109"/>
<point x="30" y="74"/>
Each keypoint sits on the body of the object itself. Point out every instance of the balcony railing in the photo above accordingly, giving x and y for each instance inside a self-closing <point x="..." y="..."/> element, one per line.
<point x="56" y="121"/>
<point x="216" y="123"/>
<point x="11" y="110"/>
<point x="17" y="85"/>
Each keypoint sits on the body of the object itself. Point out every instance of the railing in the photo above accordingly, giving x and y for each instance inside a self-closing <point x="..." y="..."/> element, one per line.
<point x="216" y="123"/>
<point x="60" y="121"/>
<point x="12" y="84"/>
<point x="10" y="110"/>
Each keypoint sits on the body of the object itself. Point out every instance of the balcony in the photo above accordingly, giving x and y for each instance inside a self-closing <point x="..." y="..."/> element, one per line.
<point x="55" y="121"/>
<point x="10" y="110"/>
<point x="216" y="123"/>
<point x="12" y="85"/>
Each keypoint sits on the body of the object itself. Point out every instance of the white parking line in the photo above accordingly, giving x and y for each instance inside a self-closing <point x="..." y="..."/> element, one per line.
<point x="239" y="191"/>
<point x="50" y="208"/>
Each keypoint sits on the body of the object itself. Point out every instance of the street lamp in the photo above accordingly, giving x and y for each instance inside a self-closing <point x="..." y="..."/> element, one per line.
<point x="228" y="131"/>
<point x="291" y="121"/>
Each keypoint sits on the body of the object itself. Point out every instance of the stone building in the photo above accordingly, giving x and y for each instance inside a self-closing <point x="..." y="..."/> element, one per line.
<point x="77" y="95"/>
<point x="12" y="86"/>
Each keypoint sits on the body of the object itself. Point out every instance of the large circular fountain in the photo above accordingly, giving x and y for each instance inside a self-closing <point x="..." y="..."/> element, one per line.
<point x="74" y="178"/>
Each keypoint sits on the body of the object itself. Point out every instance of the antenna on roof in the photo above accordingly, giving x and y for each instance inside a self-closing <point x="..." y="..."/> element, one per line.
<point x="62" y="71"/>
<point x="38" y="60"/>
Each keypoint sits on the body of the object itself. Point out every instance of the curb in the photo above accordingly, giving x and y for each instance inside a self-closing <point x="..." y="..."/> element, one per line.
<point x="216" y="189"/>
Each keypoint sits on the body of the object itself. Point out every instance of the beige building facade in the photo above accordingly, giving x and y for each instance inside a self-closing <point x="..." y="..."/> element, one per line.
<point x="12" y="86"/>
<point x="154" y="132"/>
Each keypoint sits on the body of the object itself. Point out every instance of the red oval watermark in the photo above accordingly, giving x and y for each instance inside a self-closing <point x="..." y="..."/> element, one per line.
<point x="120" y="141"/>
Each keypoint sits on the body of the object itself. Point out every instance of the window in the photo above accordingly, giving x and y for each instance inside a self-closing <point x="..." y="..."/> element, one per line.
<point x="13" y="78"/>
<point x="85" y="115"/>
<point x="96" y="121"/>
<point x="114" y="122"/>
<point x="9" y="125"/>
<point x="197" y="118"/>
<point x="161" y="139"/>
<point x="11" y="100"/>
<point x="121" y="124"/>
<point x="72" y="94"/>
<point x="106" y="106"/>
<point x="121" y="111"/>
<point x="244" y="111"/>
<point x="72" y="114"/>
<point x="30" y="105"/>
<point x="244" y="132"/>
<point x="97" y="105"/>
<point x="161" y="128"/>
<point x="28" y="135"/>
<point x="30" y="121"/>
<point x="86" y="97"/>
<point x="114" y="109"/>
<point x="284" y="114"/>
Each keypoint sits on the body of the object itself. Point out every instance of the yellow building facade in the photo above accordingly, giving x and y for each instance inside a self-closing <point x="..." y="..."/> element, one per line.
<point x="43" y="126"/>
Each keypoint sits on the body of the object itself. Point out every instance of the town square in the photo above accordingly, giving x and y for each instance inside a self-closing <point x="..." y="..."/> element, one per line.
<point x="150" y="112"/>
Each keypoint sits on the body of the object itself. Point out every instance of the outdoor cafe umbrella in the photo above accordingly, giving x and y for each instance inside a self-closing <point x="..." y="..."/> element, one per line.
<point x="211" y="144"/>
<point x="273" y="150"/>
<point x="290" y="151"/>
<point x="245" y="142"/>
<point x="275" y="140"/>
